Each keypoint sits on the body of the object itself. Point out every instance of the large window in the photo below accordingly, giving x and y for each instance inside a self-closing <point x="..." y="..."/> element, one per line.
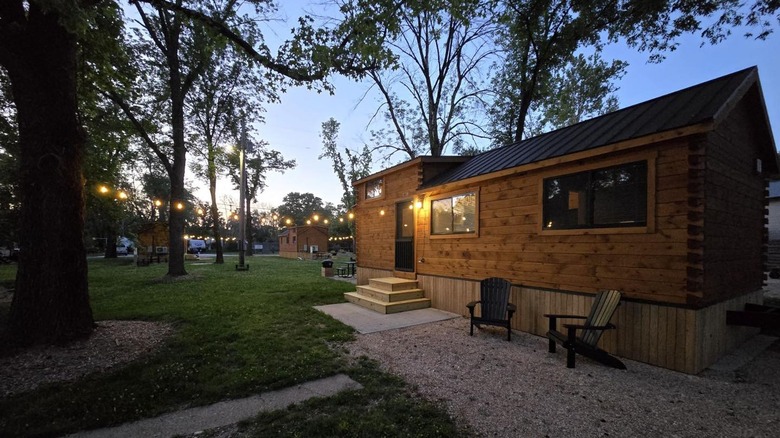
<point x="374" y="189"/>
<point x="609" y="197"/>
<point x="454" y="215"/>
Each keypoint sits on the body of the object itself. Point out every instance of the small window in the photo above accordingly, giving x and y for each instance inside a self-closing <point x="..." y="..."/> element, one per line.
<point x="374" y="189"/>
<point x="601" y="198"/>
<point x="455" y="215"/>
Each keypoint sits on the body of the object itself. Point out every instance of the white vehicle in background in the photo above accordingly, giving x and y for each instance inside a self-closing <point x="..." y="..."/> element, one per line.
<point x="195" y="246"/>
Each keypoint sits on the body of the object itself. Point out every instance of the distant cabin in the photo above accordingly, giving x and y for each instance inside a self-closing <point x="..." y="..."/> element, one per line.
<point x="299" y="241"/>
<point x="665" y="200"/>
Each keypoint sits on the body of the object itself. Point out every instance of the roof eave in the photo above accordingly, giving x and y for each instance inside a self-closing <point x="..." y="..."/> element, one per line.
<point x="638" y="142"/>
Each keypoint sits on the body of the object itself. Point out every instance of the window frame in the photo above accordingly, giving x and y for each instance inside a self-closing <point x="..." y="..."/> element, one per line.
<point x="648" y="227"/>
<point x="381" y="195"/>
<point x="463" y="235"/>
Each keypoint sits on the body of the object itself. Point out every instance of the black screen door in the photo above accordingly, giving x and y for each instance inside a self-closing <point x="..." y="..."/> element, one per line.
<point x="404" y="236"/>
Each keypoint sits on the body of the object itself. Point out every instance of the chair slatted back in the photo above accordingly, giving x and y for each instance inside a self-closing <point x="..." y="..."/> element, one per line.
<point x="604" y="306"/>
<point x="494" y="294"/>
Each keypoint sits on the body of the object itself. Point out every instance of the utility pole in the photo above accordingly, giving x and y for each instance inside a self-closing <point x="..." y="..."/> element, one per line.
<point x="241" y="193"/>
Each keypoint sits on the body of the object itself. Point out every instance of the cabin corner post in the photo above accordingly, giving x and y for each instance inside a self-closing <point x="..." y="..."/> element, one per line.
<point x="696" y="203"/>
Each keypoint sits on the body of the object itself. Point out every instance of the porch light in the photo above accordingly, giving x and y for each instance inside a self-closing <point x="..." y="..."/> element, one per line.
<point x="381" y="212"/>
<point x="411" y="206"/>
<point x="419" y="205"/>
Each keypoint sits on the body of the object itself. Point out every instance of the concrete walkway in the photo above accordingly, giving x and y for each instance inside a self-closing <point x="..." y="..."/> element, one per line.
<point x="193" y="420"/>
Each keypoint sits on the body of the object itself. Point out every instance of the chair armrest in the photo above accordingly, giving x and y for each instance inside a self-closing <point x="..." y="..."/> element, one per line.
<point x="553" y="319"/>
<point x="511" y="307"/>
<point x="552" y="315"/>
<point x="590" y="327"/>
<point x="471" y="306"/>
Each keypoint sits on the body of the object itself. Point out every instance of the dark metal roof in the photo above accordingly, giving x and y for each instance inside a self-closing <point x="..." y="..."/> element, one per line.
<point x="687" y="107"/>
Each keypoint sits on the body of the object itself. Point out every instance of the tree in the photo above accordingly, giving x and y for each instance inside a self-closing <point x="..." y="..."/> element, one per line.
<point x="258" y="161"/>
<point x="299" y="207"/>
<point x="229" y="91"/>
<point x="356" y="165"/>
<point x="9" y="172"/>
<point x="174" y="52"/>
<point x="440" y="47"/>
<point x="582" y="89"/>
<point x="542" y="37"/>
<point x="51" y="300"/>
<point x="539" y="37"/>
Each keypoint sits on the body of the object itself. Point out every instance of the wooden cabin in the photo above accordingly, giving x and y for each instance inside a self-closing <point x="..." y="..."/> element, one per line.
<point x="304" y="240"/>
<point x="153" y="243"/>
<point x="665" y="200"/>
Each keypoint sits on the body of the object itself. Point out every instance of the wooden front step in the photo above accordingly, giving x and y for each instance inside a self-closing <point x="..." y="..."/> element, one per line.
<point x="389" y="295"/>
<point x="387" y="307"/>
<point x="392" y="284"/>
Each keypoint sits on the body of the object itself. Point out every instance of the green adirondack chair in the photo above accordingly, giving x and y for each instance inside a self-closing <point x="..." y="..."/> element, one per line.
<point x="604" y="306"/>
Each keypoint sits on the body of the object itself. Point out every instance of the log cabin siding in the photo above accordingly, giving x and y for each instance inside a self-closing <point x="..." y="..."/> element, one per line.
<point x="375" y="232"/>
<point x="648" y="265"/>
<point x="734" y="213"/>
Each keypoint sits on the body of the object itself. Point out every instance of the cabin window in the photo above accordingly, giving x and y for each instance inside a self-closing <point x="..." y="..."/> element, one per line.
<point x="374" y="189"/>
<point x="600" y="198"/>
<point x="454" y="215"/>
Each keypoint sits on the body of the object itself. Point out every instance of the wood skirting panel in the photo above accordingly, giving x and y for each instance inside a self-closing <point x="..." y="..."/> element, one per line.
<point x="288" y="254"/>
<point x="686" y="340"/>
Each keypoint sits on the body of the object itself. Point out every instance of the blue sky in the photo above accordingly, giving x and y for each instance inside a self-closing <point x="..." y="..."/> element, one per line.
<point x="293" y="126"/>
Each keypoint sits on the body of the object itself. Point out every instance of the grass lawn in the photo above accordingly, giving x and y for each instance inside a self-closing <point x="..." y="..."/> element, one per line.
<point x="237" y="334"/>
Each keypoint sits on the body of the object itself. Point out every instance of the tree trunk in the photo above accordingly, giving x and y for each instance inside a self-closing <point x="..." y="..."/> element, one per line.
<point x="178" y="166"/>
<point x="51" y="301"/>
<point x="176" y="216"/>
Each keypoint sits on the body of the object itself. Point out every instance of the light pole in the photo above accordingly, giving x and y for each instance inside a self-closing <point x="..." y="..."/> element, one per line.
<point x="241" y="193"/>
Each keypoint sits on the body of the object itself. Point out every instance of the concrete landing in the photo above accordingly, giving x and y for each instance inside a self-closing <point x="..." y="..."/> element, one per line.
<point x="367" y="321"/>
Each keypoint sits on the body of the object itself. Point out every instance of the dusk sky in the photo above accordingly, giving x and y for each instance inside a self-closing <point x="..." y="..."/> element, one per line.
<point x="293" y="126"/>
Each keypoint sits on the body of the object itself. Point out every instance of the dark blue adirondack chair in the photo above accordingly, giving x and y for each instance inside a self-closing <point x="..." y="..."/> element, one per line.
<point x="495" y="308"/>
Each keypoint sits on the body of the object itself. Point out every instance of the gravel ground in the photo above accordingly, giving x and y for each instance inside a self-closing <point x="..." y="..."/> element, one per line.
<point x="512" y="389"/>
<point x="496" y="388"/>
<point x="112" y="344"/>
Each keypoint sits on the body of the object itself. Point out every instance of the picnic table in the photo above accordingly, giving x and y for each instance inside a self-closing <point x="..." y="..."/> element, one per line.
<point x="348" y="270"/>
